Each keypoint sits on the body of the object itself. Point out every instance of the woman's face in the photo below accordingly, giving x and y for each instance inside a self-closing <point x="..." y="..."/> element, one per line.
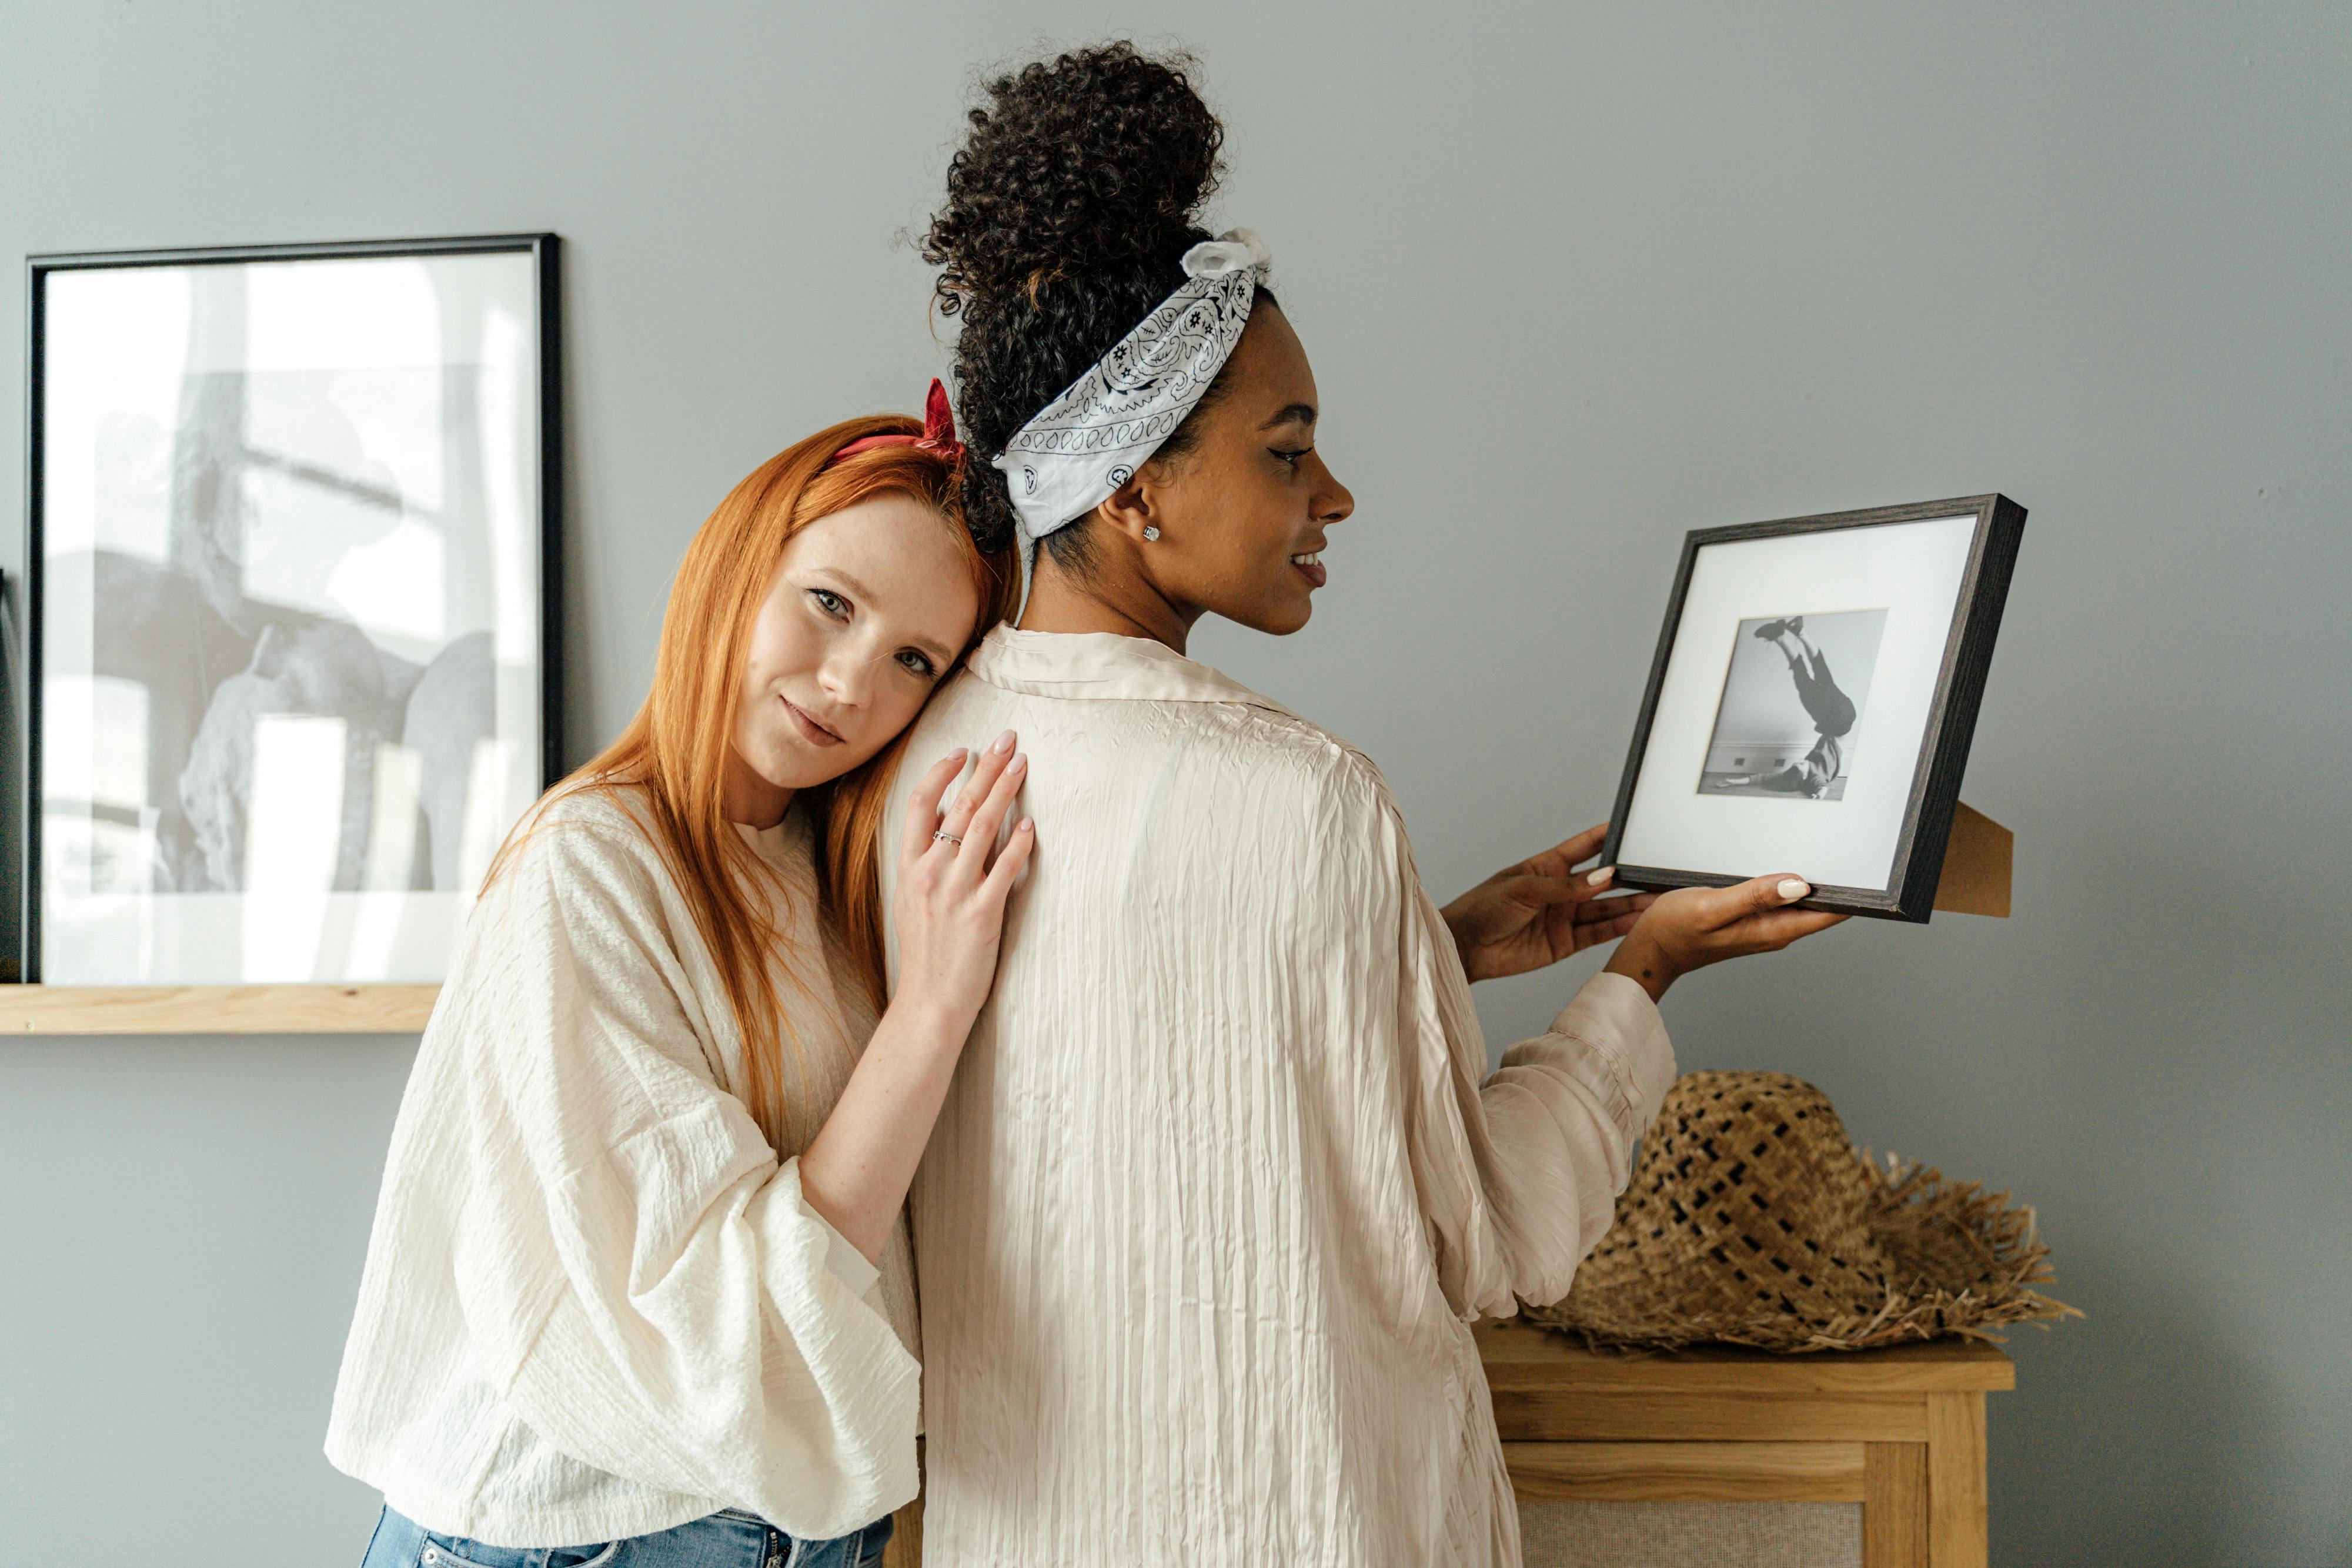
<point x="868" y="608"/>
<point x="1243" y="514"/>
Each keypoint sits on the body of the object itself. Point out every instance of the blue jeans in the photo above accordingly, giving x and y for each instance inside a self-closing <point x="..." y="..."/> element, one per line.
<point x="729" y="1539"/>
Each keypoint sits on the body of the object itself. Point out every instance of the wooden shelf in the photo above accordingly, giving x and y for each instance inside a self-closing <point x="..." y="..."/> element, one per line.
<point x="1900" y="1430"/>
<point x="1519" y="1356"/>
<point x="214" y="1009"/>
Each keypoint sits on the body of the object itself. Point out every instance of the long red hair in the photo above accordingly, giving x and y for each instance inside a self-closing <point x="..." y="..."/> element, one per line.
<point x="668" y="769"/>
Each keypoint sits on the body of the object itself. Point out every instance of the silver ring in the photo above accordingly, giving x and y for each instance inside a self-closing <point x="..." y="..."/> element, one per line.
<point x="950" y="837"/>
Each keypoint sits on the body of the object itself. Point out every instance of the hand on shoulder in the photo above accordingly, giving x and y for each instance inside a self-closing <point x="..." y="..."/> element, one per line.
<point x="953" y="881"/>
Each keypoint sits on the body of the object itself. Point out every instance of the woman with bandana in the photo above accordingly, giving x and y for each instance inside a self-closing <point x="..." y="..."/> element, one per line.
<point x="1222" y="1178"/>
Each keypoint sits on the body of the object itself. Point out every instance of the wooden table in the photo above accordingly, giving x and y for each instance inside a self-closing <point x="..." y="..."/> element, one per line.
<point x="1900" y="1431"/>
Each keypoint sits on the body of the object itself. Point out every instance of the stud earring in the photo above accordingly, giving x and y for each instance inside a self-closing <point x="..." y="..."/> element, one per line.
<point x="1151" y="530"/>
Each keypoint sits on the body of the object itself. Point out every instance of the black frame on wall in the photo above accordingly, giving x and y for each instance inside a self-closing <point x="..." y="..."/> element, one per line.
<point x="1910" y="893"/>
<point x="545" y="250"/>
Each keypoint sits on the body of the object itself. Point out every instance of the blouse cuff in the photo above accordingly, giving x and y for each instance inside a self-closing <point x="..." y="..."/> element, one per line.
<point x="1615" y="1016"/>
<point x="842" y="1258"/>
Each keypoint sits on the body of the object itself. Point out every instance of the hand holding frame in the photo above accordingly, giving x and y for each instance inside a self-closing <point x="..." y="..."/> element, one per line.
<point x="1537" y="913"/>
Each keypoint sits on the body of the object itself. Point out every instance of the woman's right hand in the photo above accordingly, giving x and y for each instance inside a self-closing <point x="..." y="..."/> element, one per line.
<point x="949" y="906"/>
<point x="1692" y="928"/>
<point x="949" y="912"/>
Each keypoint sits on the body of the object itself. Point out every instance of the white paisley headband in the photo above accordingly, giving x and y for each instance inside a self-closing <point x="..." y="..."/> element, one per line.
<point x="1089" y="441"/>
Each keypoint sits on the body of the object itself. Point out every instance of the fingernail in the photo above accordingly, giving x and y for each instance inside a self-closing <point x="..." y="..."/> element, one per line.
<point x="1003" y="743"/>
<point x="1016" y="765"/>
<point x="1598" y="877"/>
<point x="1794" y="888"/>
<point x="1028" y="825"/>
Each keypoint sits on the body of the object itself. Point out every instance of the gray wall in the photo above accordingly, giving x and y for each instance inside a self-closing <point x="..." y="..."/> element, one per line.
<point x="1572" y="286"/>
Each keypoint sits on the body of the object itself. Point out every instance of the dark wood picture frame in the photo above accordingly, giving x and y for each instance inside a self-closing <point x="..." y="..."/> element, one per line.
<point x="545" y="250"/>
<point x="1910" y="893"/>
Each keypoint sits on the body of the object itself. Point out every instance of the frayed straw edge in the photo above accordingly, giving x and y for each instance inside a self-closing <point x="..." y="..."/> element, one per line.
<point x="1902" y="1198"/>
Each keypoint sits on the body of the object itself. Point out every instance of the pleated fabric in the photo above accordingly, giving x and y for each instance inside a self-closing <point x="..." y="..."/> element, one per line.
<point x="596" y="1304"/>
<point x="1222" y="1178"/>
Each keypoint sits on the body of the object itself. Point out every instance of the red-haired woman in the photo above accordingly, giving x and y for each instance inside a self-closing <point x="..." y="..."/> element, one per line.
<point x="638" y="1290"/>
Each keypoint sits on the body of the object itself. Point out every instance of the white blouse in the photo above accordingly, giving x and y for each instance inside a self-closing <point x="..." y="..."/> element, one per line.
<point x="596" y="1303"/>
<point x="1222" y="1177"/>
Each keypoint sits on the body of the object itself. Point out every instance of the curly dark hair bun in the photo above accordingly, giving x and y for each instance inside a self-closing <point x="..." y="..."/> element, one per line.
<point x="1070" y="206"/>
<point x="1097" y="158"/>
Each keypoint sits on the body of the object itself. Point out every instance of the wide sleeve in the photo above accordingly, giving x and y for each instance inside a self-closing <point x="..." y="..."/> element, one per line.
<point x="1518" y="1171"/>
<point x="640" y="1275"/>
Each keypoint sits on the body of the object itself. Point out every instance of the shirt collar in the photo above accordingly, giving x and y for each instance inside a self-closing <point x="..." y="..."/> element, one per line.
<point x="786" y="844"/>
<point x="1103" y="665"/>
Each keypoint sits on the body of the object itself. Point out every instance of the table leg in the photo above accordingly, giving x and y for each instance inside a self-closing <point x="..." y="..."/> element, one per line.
<point x="1956" y="1481"/>
<point x="1895" y="1505"/>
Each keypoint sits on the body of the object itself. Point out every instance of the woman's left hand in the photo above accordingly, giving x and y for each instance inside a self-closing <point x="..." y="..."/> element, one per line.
<point x="1539" y="911"/>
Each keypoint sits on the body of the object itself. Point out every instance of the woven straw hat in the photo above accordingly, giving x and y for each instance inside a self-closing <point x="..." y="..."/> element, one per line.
<point x="1753" y="1221"/>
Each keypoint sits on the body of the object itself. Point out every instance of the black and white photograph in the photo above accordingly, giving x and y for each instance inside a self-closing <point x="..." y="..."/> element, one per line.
<point x="1793" y="700"/>
<point x="1811" y="701"/>
<point x="288" y="576"/>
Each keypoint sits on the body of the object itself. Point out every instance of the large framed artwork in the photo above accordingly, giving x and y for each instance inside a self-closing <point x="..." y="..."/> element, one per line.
<point x="1812" y="703"/>
<point x="290" y="554"/>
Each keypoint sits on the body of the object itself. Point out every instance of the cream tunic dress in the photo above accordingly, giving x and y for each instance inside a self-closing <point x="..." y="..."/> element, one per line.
<point x="1222" y="1177"/>
<point x="595" y="1305"/>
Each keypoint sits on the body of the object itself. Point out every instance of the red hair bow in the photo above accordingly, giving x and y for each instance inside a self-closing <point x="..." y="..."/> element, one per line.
<point x="938" y="435"/>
